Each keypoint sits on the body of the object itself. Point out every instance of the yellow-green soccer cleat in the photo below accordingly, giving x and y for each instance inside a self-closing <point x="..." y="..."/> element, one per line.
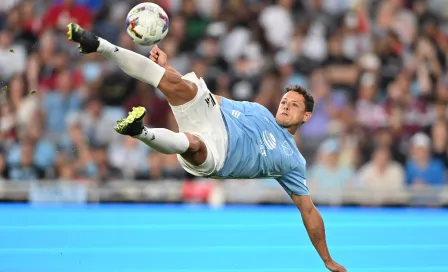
<point x="88" y="42"/>
<point x="133" y="124"/>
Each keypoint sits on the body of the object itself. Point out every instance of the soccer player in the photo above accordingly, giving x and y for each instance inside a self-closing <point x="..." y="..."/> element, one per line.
<point x="219" y="137"/>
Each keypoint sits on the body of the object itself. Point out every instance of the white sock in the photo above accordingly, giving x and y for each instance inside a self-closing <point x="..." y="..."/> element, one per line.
<point x="164" y="141"/>
<point x="133" y="64"/>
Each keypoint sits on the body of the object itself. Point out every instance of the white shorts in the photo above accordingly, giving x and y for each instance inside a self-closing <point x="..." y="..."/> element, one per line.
<point x="202" y="117"/>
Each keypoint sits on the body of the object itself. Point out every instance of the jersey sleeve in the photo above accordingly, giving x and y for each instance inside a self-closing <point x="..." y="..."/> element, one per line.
<point x="294" y="182"/>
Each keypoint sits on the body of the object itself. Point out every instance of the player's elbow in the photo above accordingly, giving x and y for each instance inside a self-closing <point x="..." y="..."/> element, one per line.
<point x="304" y="204"/>
<point x="308" y="211"/>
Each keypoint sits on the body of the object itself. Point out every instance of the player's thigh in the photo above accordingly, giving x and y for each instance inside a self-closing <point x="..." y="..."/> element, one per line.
<point x="176" y="90"/>
<point x="201" y="114"/>
<point x="202" y="117"/>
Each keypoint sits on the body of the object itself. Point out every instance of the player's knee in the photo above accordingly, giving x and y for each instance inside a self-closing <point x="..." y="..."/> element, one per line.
<point x="195" y="143"/>
<point x="197" y="151"/>
<point x="186" y="88"/>
<point x="177" y="90"/>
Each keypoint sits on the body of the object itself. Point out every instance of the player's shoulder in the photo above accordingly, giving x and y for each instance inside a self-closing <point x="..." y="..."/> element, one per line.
<point x="261" y="109"/>
<point x="246" y="107"/>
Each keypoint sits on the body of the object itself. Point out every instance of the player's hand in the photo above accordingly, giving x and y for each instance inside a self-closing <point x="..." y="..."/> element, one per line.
<point x="158" y="56"/>
<point x="335" y="267"/>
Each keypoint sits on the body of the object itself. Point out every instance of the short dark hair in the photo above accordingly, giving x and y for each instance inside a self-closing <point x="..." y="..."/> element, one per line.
<point x="309" y="100"/>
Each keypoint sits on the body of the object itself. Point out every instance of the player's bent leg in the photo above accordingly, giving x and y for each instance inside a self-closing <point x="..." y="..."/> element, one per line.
<point x="197" y="151"/>
<point x="162" y="140"/>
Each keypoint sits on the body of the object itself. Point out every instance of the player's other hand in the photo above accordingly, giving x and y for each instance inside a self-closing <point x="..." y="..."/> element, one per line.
<point x="335" y="267"/>
<point x="158" y="56"/>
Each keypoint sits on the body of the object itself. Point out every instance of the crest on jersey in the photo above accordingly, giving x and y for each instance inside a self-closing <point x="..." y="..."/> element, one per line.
<point x="287" y="149"/>
<point x="269" y="140"/>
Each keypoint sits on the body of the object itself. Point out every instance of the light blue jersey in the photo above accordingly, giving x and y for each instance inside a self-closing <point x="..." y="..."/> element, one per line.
<point x="259" y="148"/>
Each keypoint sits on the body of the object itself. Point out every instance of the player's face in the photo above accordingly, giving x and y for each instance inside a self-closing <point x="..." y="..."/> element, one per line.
<point x="291" y="111"/>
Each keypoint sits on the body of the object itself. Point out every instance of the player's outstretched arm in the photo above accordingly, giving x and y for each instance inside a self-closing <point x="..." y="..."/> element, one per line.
<point x="314" y="225"/>
<point x="158" y="56"/>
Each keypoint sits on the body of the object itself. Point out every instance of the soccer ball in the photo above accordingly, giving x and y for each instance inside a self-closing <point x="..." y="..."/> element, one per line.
<point x="147" y="24"/>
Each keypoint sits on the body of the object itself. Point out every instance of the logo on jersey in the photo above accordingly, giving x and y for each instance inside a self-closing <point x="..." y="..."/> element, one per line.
<point x="211" y="100"/>
<point x="262" y="149"/>
<point x="236" y="113"/>
<point x="287" y="149"/>
<point x="269" y="140"/>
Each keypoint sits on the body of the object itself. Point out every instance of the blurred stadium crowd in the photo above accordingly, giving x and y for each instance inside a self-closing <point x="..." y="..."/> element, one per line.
<point x="377" y="70"/>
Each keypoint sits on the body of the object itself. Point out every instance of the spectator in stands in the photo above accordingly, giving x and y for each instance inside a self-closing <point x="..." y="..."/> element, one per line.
<point x="66" y="172"/>
<point x="7" y="124"/>
<point x="172" y="168"/>
<point x="105" y="171"/>
<point x="370" y="112"/>
<point x="439" y="139"/>
<point x="58" y="103"/>
<point x="129" y="156"/>
<point x="59" y="15"/>
<point x="85" y="167"/>
<point x="164" y="167"/>
<point x="43" y="152"/>
<point x="423" y="170"/>
<point x="25" y="169"/>
<point x="279" y="33"/>
<point x="23" y="24"/>
<point x="340" y="69"/>
<point x="94" y="5"/>
<point x="441" y="96"/>
<point x="327" y="174"/>
<point x="156" y="162"/>
<point x="327" y="110"/>
<point x="95" y="123"/>
<point x="12" y="56"/>
<point x="146" y="95"/>
<point x="382" y="176"/>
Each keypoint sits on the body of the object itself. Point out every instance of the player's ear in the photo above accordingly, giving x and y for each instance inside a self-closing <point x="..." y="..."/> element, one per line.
<point x="307" y="116"/>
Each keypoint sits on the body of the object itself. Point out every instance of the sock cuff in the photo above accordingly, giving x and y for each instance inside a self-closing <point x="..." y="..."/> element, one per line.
<point x="154" y="73"/>
<point x="164" y="140"/>
<point x="133" y="64"/>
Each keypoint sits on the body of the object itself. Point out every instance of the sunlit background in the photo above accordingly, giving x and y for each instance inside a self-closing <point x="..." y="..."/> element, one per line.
<point x="378" y="137"/>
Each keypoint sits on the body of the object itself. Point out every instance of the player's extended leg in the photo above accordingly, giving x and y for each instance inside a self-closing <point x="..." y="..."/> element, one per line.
<point x="176" y="90"/>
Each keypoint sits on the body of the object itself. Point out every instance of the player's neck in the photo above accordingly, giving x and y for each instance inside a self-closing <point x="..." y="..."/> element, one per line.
<point x="292" y="130"/>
